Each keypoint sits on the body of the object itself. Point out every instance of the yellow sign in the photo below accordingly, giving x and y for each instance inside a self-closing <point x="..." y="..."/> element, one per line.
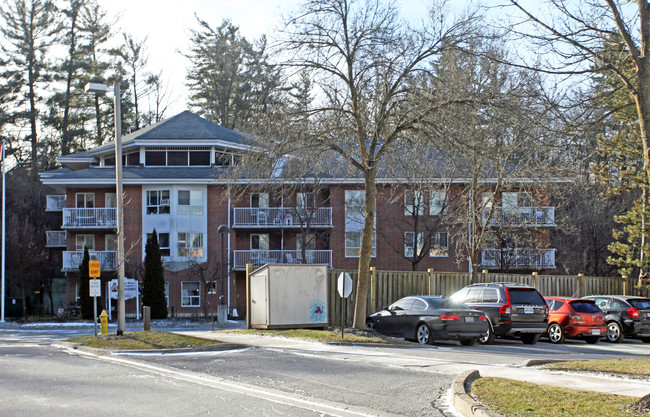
<point x="94" y="268"/>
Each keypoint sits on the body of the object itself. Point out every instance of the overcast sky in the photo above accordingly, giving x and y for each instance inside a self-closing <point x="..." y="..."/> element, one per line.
<point x="165" y="24"/>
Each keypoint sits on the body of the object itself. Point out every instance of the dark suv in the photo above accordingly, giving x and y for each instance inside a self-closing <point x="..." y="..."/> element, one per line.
<point x="512" y="310"/>
<point x="625" y="315"/>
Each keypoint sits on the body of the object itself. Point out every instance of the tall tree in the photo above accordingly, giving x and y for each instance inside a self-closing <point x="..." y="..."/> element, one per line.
<point x="153" y="291"/>
<point x="362" y="58"/>
<point x="231" y="80"/>
<point x="30" y="28"/>
<point x="85" y="301"/>
<point x="134" y="60"/>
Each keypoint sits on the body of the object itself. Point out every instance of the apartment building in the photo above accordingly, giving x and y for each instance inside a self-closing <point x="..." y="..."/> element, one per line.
<point x="175" y="180"/>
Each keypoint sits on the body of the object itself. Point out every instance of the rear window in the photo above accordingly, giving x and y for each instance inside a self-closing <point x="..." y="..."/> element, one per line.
<point x="452" y="304"/>
<point x="640" y="303"/>
<point x="584" y="307"/>
<point x="525" y="296"/>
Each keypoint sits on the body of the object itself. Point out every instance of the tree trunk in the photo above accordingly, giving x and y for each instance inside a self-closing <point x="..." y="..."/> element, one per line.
<point x="365" y="252"/>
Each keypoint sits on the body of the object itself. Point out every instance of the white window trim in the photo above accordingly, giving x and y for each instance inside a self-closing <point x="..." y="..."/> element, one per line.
<point x="76" y="241"/>
<point x="193" y="296"/>
<point x="434" y="247"/>
<point x="418" y="197"/>
<point x="417" y="244"/>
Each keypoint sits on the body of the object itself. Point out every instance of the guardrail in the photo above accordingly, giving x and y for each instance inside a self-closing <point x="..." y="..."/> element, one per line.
<point x="73" y="259"/>
<point x="262" y="257"/>
<point x="282" y="217"/>
<point x="521" y="216"/>
<point x="89" y="218"/>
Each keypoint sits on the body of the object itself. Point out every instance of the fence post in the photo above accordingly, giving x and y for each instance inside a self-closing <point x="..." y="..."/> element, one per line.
<point x="580" y="285"/>
<point x="485" y="275"/>
<point x="431" y="289"/>
<point x="373" y="289"/>
<point x="535" y="276"/>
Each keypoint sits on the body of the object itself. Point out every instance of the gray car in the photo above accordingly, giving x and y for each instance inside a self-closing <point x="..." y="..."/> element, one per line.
<point x="513" y="310"/>
<point x="625" y="315"/>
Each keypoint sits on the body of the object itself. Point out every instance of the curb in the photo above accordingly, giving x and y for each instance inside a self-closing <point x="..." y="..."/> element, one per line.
<point x="106" y="352"/>
<point x="536" y="362"/>
<point x="463" y="402"/>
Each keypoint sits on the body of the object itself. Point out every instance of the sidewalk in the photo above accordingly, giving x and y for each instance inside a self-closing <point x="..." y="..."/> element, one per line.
<point x="391" y="355"/>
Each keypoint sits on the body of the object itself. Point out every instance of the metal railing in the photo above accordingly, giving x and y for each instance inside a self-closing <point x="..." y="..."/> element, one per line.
<point x="262" y="257"/>
<point x="56" y="238"/>
<point x="518" y="258"/>
<point x="90" y="218"/>
<point x="285" y="217"/>
<point x="107" y="259"/>
<point x="521" y="216"/>
<point x="54" y="202"/>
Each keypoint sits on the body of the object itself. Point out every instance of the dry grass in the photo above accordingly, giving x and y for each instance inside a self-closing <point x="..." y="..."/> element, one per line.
<point x="514" y="398"/>
<point x="143" y="340"/>
<point x="324" y="336"/>
<point x="634" y="368"/>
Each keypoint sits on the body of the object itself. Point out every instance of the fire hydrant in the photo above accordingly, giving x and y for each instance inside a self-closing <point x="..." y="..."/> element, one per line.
<point x="103" y="319"/>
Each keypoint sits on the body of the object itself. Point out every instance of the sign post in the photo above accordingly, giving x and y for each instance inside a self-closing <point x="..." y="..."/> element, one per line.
<point x="94" y="271"/>
<point x="344" y="286"/>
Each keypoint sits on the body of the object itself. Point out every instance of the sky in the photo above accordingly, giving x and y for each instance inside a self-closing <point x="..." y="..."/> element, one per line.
<point x="166" y="23"/>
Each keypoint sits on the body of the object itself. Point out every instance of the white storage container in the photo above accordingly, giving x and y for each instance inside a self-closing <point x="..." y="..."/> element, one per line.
<point x="288" y="296"/>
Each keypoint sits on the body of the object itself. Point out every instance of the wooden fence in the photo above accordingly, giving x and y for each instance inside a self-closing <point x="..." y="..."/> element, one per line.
<point x="386" y="287"/>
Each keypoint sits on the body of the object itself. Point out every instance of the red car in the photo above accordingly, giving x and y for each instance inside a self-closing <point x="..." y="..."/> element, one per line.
<point x="575" y="318"/>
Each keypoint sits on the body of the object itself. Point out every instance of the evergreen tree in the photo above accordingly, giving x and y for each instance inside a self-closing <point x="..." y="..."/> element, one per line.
<point x="85" y="301"/>
<point x="153" y="291"/>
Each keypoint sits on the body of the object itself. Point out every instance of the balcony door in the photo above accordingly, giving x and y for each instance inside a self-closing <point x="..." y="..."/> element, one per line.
<point x="85" y="200"/>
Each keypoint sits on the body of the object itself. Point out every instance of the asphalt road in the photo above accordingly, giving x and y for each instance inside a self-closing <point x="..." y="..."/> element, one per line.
<point x="37" y="377"/>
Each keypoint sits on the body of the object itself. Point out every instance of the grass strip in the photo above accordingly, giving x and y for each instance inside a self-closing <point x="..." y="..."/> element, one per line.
<point x="515" y="398"/>
<point x="142" y="340"/>
<point x="323" y="336"/>
<point x="635" y="368"/>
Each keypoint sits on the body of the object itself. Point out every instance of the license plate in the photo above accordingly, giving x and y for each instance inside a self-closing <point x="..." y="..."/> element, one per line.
<point x="469" y="319"/>
<point x="595" y="331"/>
<point x="529" y="310"/>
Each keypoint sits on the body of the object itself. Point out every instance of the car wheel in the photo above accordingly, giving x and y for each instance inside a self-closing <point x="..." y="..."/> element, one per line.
<point x="423" y="335"/>
<point x="530" y="339"/>
<point x="468" y="341"/>
<point x="370" y="325"/>
<point x="592" y="340"/>
<point x="555" y="333"/>
<point x="614" y="332"/>
<point x="489" y="337"/>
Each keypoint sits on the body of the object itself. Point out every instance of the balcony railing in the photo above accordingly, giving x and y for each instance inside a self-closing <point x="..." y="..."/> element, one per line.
<point x="521" y="216"/>
<point x="107" y="259"/>
<point x="56" y="239"/>
<point x="89" y="218"/>
<point x="518" y="258"/>
<point x="262" y="257"/>
<point x="283" y="217"/>
<point x="54" y="202"/>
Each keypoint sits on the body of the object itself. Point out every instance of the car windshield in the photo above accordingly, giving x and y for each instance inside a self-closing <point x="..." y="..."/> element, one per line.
<point x="525" y="296"/>
<point x="641" y="303"/>
<point x="581" y="306"/>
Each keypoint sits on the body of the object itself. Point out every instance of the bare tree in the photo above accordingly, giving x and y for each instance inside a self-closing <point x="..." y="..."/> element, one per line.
<point x="362" y="58"/>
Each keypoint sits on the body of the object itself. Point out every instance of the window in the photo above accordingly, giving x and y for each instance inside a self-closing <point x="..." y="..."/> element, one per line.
<point x="419" y="305"/>
<point x="163" y="243"/>
<point x="167" y="293"/>
<point x="438" y="203"/>
<point x="130" y="159"/>
<point x="413" y="203"/>
<point x="309" y="239"/>
<point x="354" y="208"/>
<point x="488" y="199"/>
<point x="162" y="156"/>
<point x="211" y="287"/>
<point x="110" y="242"/>
<point x="85" y="241"/>
<point x="155" y="158"/>
<point x="490" y="295"/>
<point x="403" y="304"/>
<point x="111" y="200"/>
<point x="260" y="242"/>
<point x="190" y="202"/>
<point x="158" y="202"/>
<point x="306" y="200"/>
<point x="439" y="245"/>
<point x="190" y="294"/>
<point x="474" y="295"/>
<point x="413" y="246"/>
<point x="190" y="245"/>
<point x="177" y="158"/>
<point x="222" y="159"/>
<point x="509" y="201"/>
<point x="260" y="200"/>
<point x="200" y="158"/>
<point x="85" y="200"/>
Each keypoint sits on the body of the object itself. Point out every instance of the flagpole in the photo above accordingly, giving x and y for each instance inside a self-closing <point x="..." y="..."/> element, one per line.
<point x="4" y="230"/>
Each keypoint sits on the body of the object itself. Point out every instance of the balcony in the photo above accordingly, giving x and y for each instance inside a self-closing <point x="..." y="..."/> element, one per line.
<point x="518" y="258"/>
<point x="89" y="218"/>
<point x="521" y="216"/>
<point x="282" y="217"/>
<point x="262" y="257"/>
<point x="107" y="259"/>
<point x="56" y="239"/>
<point x="54" y="202"/>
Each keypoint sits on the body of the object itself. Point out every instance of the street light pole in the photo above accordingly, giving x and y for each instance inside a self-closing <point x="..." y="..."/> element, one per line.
<point x="101" y="89"/>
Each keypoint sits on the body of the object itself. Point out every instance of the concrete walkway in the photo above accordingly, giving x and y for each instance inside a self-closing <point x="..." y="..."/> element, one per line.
<point x="435" y="363"/>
